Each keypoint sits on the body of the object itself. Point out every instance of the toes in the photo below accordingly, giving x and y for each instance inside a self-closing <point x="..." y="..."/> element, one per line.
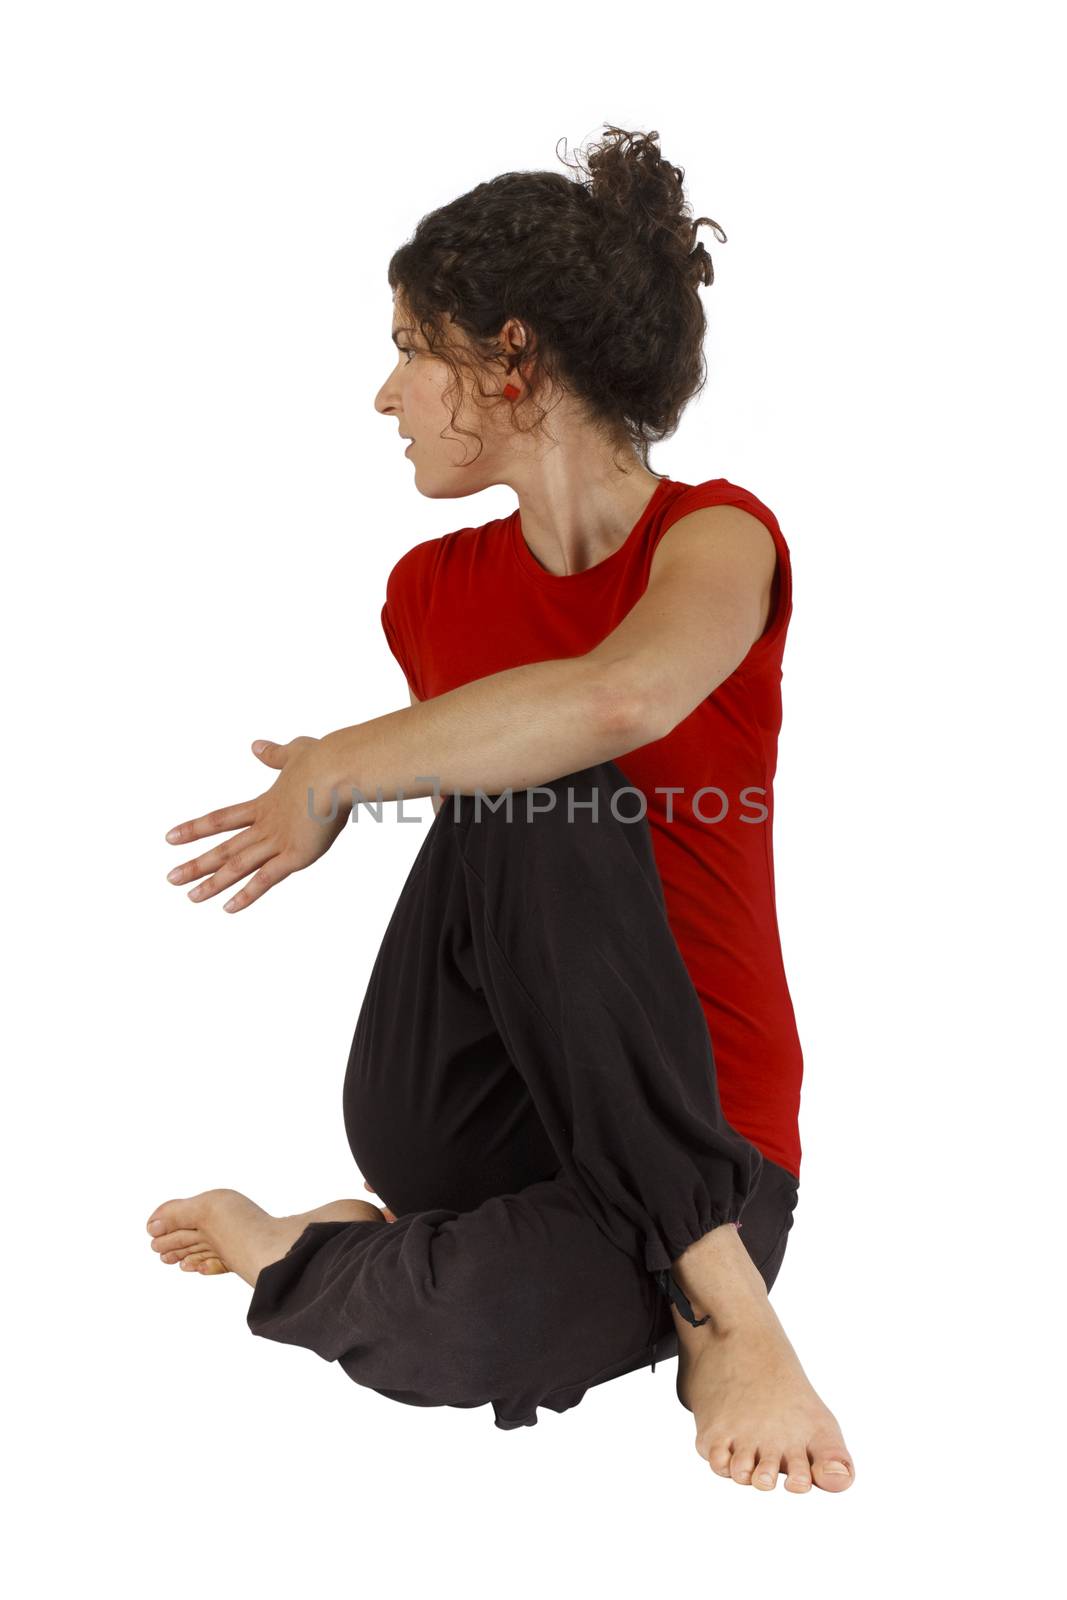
<point x="177" y="1232"/>
<point x="185" y="1245"/>
<point x="159" y="1221"/>
<point x="172" y="1214"/>
<point x="741" y="1464"/>
<point x="833" y="1471"/>
<point x="766" y="1473"/>
<point x="186" y="1213"/>
<point x="202" y="1249"/>
<point x="197" y="1260"/>
<point x="798" y="1471"/>
<point x="180" y="1239"/>
<point x="718" y="1456"/>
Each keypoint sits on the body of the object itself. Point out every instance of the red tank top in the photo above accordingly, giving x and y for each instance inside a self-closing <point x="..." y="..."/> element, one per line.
<point x="474" y="602"/>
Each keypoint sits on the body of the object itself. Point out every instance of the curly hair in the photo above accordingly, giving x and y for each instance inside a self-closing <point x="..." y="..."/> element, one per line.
<point x="601" y="272"/>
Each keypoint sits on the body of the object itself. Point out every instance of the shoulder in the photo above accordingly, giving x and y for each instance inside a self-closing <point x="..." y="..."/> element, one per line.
<point x="433" y="560"/>
<point x="718" y="514"/>
<point x="410" y="568"/>
<point x="715" y="522"/>
<point x="736" y="505"/>
<point x="723" y="536"/>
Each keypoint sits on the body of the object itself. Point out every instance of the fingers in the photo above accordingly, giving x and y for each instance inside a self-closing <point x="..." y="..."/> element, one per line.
<point x="229" y="817"/>
<point x="276" y="755"/>
<point x="201" y="866"/>
<point x="236" y="860"/>
<point x="265" y="879"/>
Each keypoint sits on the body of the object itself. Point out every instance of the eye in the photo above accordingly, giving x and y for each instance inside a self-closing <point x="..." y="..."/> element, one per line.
<point x="405" y="350"/>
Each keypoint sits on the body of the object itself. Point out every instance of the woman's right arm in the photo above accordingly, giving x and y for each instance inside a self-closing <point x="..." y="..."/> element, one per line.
<point x="438" y="800"/>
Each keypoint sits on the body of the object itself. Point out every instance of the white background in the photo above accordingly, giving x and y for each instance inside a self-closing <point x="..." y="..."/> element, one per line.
<point x="201" y="507"/>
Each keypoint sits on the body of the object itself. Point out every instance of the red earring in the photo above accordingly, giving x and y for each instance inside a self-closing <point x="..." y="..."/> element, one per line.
<point x="510" y="392"/>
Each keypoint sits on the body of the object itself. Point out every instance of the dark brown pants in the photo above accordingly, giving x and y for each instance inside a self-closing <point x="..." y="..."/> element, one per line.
<point x="531" y="1090"/>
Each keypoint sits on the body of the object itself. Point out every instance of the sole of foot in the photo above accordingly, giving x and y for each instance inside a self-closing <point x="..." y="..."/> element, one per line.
<point x="222" y="1230"/>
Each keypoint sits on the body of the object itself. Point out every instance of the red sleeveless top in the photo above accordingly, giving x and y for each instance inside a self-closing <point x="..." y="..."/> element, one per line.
<point x="477" y="601"/>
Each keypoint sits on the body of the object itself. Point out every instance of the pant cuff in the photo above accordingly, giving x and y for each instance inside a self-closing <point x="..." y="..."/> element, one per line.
<point x="674" y="1291"/>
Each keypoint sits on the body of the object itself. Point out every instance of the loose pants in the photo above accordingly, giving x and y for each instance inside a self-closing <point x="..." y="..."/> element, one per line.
<point x="531" y="1090"/>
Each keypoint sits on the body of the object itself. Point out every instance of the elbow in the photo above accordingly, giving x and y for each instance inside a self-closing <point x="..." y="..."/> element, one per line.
<point x="627" y="714"/>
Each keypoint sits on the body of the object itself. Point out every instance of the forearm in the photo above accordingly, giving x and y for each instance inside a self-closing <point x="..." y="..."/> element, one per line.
<point x="512" y="730"/>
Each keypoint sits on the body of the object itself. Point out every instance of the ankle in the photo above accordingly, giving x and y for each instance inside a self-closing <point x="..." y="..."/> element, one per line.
<point x="721" y="1282"/>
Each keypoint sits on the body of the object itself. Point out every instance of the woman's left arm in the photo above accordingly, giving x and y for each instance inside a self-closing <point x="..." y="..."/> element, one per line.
<point x="706" y="603"/>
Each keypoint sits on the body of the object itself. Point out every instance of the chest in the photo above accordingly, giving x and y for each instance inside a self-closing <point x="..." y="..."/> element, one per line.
<point x="478" y="631"/>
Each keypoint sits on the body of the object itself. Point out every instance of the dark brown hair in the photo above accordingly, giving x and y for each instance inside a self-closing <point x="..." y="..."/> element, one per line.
<point x="602" y="271"/>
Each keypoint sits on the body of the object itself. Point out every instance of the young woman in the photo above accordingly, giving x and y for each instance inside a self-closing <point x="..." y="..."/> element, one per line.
<point x="617" y="632"/>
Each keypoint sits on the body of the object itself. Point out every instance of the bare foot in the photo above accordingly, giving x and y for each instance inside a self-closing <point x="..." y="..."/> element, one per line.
<point x="224" y="1231"/>
<point x="756" y="1413"/>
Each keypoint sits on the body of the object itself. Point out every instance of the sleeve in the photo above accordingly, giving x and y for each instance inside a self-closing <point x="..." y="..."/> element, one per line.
<point x="589" y="990"/>
<point x="721" y="492"/>
<point x="402" y="615"/>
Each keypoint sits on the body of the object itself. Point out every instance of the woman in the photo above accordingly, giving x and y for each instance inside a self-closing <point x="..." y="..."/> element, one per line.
<point x="620" y="628"/>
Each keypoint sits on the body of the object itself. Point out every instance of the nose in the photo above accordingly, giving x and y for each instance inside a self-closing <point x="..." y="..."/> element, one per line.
<point x="384" y="404"/>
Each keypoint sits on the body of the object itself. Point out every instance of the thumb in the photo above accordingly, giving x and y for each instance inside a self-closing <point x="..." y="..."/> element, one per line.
<point x="272" y="755"/>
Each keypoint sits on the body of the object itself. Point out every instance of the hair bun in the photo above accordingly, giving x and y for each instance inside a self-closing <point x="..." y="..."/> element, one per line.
<point x="631" y="185"/>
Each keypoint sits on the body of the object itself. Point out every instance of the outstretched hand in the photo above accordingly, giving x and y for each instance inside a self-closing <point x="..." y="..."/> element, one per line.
<point x="279" y="834"/>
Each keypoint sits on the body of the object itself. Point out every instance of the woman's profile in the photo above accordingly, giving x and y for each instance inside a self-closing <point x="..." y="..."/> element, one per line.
<point x="574" y="1081"/>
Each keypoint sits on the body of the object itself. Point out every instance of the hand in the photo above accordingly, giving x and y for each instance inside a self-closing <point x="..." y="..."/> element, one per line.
<point x="278" y="837"/>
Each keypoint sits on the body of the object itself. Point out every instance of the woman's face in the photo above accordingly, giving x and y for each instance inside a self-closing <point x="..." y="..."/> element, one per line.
<point x="414" y="394"/>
